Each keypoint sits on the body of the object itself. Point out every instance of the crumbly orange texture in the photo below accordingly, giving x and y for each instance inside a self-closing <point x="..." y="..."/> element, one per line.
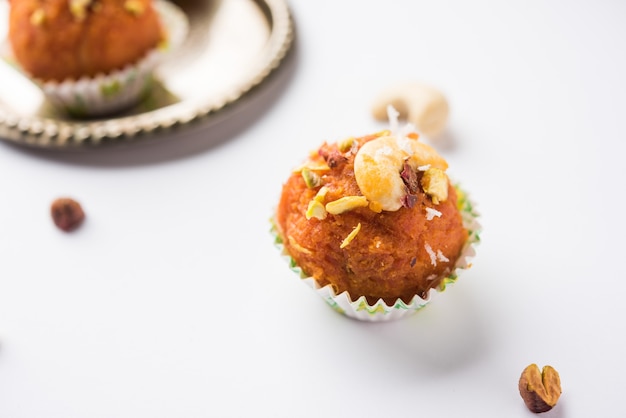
<point x="389" y="257"/>
<point x="61" y="39"/>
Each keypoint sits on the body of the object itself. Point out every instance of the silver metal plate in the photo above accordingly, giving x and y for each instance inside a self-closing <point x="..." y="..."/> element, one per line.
<point x="232" y="46"/>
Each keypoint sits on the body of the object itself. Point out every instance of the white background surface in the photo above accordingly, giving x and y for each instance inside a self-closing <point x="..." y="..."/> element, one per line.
<point x="171" y="300"/>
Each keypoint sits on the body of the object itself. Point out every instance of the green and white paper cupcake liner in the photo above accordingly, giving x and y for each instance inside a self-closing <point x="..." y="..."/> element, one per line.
<point x="380" y="311"/>
<point x="108" y="93"/>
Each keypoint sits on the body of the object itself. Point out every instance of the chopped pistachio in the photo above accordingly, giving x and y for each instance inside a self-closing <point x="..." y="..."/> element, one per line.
<point x="38" y="17"/>
<point x="435" y="184"/>
<point x="321" y="194"/>
<point x="345" y="204"/>
<point x="316" y="210"/>
<point x="311" y="179"/>
<point x="346" y="144"/>
<point x="135" y="7"/>
<point x="316" y="207"/>
<point x="350" y="236"/>
<point x="78" y="8"/>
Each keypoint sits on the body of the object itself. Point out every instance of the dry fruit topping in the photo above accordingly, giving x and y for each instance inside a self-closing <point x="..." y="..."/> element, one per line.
<point x="387" y="169"/>
<point x="79" y="8"/>
<point x="540" y="389"/>
<point x="347" y="240"/>
<point x="134" y="7"/>
<point x="345" y="204"/>
<point x="67" y="213"/>
<point x="316" y="208"/>
<point x="390" y="171"/>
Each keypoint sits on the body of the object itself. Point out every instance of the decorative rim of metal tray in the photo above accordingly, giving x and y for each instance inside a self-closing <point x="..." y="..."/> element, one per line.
<point x="51" y="133"/>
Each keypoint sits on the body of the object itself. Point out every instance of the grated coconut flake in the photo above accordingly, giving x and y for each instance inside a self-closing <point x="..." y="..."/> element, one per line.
<point x="431" y="213"/>
<point x="431" y="253"/>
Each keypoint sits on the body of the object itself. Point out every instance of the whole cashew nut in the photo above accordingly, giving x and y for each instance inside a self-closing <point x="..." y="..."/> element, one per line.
<point x="422" y="105"/>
